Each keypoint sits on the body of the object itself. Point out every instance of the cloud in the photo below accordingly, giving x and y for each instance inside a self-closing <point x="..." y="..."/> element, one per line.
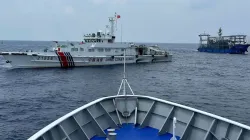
<point x="183" y="20"/>
<point x="119" y="1"/>
<point x="69" y="10"/>
<point x="98" y="1"/>
<point x="109" y="1"/>
<point x="202" y="4"/>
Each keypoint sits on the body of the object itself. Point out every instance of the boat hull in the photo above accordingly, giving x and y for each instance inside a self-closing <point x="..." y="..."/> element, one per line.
<point x="92" y="120"/>
<point x="237" y="49"/>
<point x="67" y="60"/>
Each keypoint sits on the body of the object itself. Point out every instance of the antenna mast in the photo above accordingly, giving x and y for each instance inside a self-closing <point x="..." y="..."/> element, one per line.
<point x="121" y="33"/>
<point x="124" y="80"/>
<point x="112" y="24"/>
<point x="124" y="72"/>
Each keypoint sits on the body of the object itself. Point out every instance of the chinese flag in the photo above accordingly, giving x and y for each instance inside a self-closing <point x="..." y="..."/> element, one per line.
<point x="118" y="16"/>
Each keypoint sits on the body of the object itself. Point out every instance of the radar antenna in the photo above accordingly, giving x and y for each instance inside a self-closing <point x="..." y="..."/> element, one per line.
<point x="220" y="32"/>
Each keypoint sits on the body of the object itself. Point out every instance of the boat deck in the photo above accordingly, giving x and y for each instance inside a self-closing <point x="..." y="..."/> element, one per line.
<point x="131" y="132"/>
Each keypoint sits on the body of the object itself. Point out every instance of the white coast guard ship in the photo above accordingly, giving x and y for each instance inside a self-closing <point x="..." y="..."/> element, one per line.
<point x="96" y="49"/>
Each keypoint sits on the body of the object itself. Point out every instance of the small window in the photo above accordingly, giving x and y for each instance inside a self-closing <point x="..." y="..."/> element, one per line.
<point x="91" y="50"/>
<point x="81" y="49"/>
<point x="122" y="50"/>
<point x="100" y="49"/>
<point x="74" y="49"/>
<point x="107" y="50"/>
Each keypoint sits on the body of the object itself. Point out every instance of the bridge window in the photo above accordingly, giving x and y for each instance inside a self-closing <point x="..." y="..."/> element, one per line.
<point x="100" y="49"/>
<point x="91" y="50"/>
<point x="74" y="49"/>
<point x="107" y="50"/>
<point x="81" y="49"/>
<point x="116" y="50"/>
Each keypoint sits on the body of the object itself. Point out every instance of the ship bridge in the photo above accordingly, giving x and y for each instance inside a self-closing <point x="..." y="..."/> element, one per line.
<point x="99" y="37"/>
<point x="104" y="37"/>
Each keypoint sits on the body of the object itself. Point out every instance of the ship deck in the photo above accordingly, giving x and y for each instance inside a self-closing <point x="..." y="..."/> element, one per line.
<point x="131" y="132"/>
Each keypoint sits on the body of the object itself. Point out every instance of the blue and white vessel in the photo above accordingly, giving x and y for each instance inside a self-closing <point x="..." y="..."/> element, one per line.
<point x="233" y="44"/>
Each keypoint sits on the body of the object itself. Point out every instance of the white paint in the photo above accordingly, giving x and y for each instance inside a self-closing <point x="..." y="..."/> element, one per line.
<point x="174" y="127"/>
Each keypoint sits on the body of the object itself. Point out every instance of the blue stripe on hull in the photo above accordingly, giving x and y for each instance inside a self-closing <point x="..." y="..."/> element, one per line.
<point x="131" y="132"/>
<point x="214" y="50"/>
<point x="237" y="49"/>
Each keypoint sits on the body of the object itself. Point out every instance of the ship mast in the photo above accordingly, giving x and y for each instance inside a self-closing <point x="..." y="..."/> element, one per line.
<point x="124" y="79"/>
<point x="112" y="24"/>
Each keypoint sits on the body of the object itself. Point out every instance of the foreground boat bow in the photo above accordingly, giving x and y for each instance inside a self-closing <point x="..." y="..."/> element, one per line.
<point x="91" y="121"/>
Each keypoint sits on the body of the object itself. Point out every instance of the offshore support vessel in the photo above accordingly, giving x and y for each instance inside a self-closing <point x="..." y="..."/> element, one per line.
<point x="233" y="44"/>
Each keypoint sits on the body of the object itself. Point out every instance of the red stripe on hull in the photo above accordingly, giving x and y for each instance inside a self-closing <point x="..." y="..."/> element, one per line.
<point x="63" y="59"/>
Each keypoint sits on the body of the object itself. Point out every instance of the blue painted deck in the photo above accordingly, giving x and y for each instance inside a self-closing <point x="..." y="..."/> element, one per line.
<point x="131" y="132"/>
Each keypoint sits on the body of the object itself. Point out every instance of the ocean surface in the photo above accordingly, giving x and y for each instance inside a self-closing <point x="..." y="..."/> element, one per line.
<point x="32" y="98"/>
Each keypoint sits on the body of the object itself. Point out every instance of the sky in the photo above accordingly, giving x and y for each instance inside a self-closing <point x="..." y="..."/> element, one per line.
<point x="166" y="21"/>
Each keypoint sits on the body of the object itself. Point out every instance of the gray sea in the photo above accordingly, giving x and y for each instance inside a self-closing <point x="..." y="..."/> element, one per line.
<point x="32" y="98"/>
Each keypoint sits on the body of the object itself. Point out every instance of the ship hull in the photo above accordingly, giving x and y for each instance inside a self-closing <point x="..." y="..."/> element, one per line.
<point x="237" y="49"/>
<point x="67" y="60"/>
